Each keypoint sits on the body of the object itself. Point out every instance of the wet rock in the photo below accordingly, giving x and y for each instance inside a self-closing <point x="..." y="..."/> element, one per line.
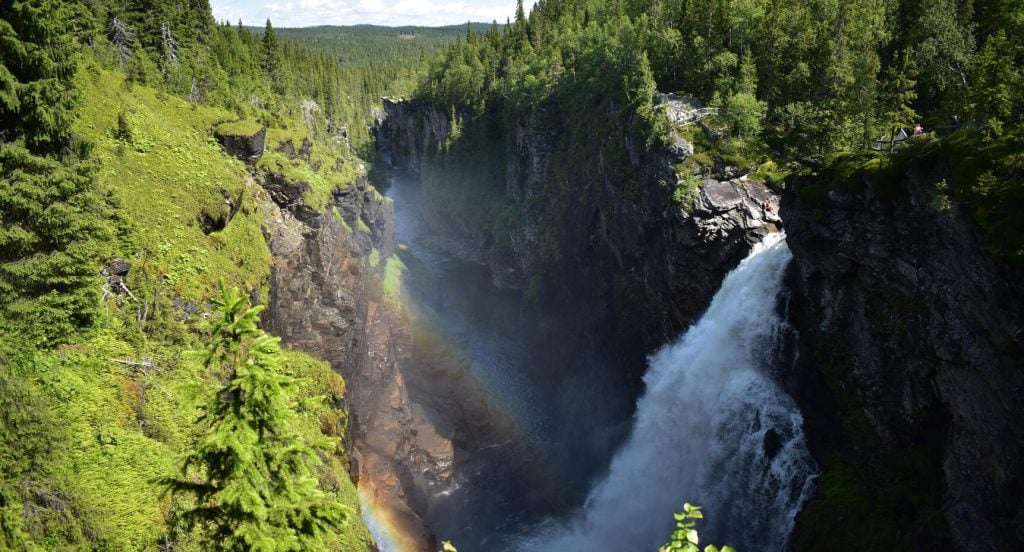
<point x="408" y="130"/>
<point x="772" y="443"/>
<point x="719" y="197"/>
<point x="323" y="300"/>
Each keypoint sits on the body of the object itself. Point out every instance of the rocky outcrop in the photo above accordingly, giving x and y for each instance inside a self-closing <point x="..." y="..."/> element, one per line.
<point x="409" y="132"/>
<point x="215" y="220"/>
<point x="911" y="368"/>
<point x="245" y="145"/>
<point x="607" y="238"/>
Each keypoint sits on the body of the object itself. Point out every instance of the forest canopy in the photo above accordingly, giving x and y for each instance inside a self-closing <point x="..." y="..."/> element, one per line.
<point x="810" y="77"/>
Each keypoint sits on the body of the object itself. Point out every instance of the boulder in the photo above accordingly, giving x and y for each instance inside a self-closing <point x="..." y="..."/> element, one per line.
<point x="117" y="267"/>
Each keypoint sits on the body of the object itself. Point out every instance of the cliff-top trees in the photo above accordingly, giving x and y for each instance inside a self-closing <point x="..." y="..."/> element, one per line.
<point x="826" y="70"/>
<point x="252" y="475"/>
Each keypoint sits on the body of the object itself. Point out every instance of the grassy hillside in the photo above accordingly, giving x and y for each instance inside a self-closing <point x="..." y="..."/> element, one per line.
<point x="164" y="177"/>
<point x="94" y="424"/>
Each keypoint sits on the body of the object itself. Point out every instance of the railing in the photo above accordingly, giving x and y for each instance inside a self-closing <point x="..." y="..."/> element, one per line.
<point x="884" y="143"/>
<point x="691" y="116"/>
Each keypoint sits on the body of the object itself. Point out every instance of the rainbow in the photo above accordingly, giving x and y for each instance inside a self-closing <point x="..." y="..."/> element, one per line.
<point x="389" y="525"/>
<point x="386" y="531"/>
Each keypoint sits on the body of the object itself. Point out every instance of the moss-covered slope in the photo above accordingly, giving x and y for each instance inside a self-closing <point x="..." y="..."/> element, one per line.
<point x="91" y="427"/>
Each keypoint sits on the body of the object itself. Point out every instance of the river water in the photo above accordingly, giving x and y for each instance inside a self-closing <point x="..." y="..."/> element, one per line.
<point x="713" y="428"/>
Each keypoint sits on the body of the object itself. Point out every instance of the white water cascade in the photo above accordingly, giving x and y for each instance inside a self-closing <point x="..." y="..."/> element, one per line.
<point x="712" y="429"/>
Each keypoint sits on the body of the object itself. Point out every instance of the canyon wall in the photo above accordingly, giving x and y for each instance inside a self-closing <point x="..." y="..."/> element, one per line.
<point x="910" y="370"/>
<point x="326" y="299"/>
<point x="602" y="247"/>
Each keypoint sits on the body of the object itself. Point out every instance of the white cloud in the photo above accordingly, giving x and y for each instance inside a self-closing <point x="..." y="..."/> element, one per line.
<point x="304" y="13"/>
<point x="371" y="6"/>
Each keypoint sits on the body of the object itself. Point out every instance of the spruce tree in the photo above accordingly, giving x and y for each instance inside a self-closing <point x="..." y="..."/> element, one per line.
<point x="271" y="59"/>
<point x="521" y="30"/>
<point x="746" y="113"/>
<point x="37" y="69"/>
<point x="997" y="87"/>
<point x="252" y="475"/>
<point x="900" y="94"/>
<point x="54" y="225"/>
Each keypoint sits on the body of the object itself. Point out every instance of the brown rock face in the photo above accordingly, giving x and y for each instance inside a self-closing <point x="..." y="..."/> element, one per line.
<point x="326" y="300"/>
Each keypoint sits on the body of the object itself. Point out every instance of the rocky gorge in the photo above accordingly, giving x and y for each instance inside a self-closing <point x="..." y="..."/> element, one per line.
<point x="611" y="248"/>
<point x="620" y="271"/>
<point x="417" y="417"/>
<point x="907" y="334"/>
<point x="908" y="356"/>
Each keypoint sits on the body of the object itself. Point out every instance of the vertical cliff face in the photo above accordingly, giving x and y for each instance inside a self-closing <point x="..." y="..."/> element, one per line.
<point x="910" y="371"/>
<point x="605" y="239"/>
<point x="326" y="299"/>
<point x="409" y="132"/>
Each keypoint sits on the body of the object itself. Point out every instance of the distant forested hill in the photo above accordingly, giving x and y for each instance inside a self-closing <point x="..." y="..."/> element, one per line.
<point x="370" y="61"/>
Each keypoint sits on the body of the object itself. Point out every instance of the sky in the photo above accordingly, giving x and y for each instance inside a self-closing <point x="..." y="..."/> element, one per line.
<point x="306" y="13"/>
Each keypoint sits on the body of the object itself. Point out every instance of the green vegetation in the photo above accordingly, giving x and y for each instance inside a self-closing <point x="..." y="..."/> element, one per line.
<point x="685" y="537"/>
<point x="393" y="270"/>
<point x="87" y="438"/>
<point x="791" y="80"/>
<point x="54" y="219"/>
<point x="262" y="73"/>
<point x="319" y="168"/>
<point x="984" y="175"/>
<point x="987" y="175"/>
<point x="364" y="62"/>
<point x="171" y="173"/>
<point x="107" y="114"/>
<point x="241" y="127"/>
<point x="252" y="472"/>
<point x="362" y="226"/>
<point x="872" y="518"/>
<point x="687" y="189"/>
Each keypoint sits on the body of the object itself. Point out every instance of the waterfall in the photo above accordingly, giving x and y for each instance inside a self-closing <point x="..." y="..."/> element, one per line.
<point x="712" y="429"/>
